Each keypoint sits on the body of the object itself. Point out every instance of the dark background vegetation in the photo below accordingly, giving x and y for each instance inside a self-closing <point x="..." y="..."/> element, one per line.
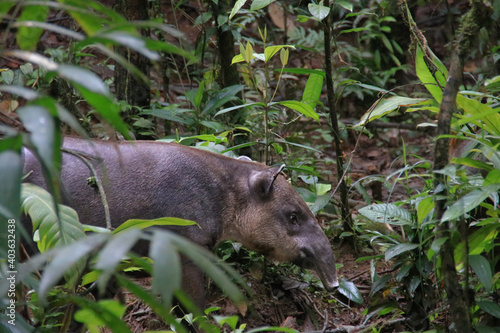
<point x="385" y="113"/>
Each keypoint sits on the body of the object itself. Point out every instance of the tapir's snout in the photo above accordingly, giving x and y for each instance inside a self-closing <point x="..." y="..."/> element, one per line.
<point x="319" y="257"/>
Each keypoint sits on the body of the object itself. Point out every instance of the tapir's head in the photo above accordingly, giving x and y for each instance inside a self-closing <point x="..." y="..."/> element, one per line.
<point x="277" y="222"/>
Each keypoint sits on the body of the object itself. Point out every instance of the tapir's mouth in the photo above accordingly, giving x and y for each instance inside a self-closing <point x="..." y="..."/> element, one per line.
<point x="326" y="272"/>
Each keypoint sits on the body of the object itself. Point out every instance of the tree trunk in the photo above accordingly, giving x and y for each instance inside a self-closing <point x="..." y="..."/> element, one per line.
<point x="135" y="92"/>
<point x="466" y="40"/>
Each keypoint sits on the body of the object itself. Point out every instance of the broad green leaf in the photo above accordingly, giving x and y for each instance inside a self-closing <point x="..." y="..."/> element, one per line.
<point x="424" y="208"/>
<point x="237" y="58"/>
<point x="346" y="4"/>
<point x="397" y="249"/>
<point x="28" y="37"/>
<point x="143" y="224"/>
<point x="222" y="97"/>
<point x="346" y="31"/>
<point x="388" y="105"/>
<point x="44" y="138"/>
<point x="166" y="267"/>
<point x="248" y="55"/>
<point x="64" y="260"/>
<point x="319" y="12"/>
<point x="379" y="284"/>
<point x="300" y="107"/>
<point x="6" y="5"/>
<point x="489" y="307"/>
<point x="349" y="290"/>
<point x="425" y="75"/>
<point x="236" y="107"/>
<point x="258" y="4"/>
<point x="102" y="313"/>
<point x="133" y="42"/>
<point x="386" y="213"/>
<point x="302" y="71"/>
<point x="488" y="117"/>
<point x="199" y="94"/>
<point x="39" y="205"/>
<point x="284" y="53"/>
<point x="8" y="76"/>
<point x="113" y="253"/>
<point x="83" y="78"/>
<point x="481" y="266"/>
<point x="237" y="6"/>
<point x="469" y="202"/>
<point x="106" y="107"/>
<point x="270" y="51"/>
<point x="312" y="90"/>
<point x="106" y="307"/>
<point x="10" y="178"/>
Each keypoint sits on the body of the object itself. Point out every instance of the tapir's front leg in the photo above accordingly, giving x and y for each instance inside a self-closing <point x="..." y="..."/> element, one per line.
<point x="193" y="283"/>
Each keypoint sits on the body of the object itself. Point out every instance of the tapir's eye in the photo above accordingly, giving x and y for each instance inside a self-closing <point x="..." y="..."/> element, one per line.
<point x="294" y="218"/>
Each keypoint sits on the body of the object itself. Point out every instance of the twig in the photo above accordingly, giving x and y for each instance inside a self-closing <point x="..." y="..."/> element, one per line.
<point x="85" y="159"/>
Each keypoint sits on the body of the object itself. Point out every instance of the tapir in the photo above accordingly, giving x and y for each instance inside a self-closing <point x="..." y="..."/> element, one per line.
<point x="229" y="198"/>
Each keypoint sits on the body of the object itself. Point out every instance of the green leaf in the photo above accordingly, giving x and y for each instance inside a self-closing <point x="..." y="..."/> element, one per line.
<point x="8" y="76"/>
<point x="300" y="107"/>
<point x="106" y="107"/>
<point x="258" y="4"/>
<point x="83" y="78"/>
<point x="433" y="85"/>
<point x="386" y="213"/>
<point x="312" y="90"/>
<point x="270" y="51"/>
<point x="248" y="55"/>
<point x="481" y="266"/>
<point x="489" y="307"/>
<point x="10" y="178"/>
<point x="64" y="260"/>
<point x="482" y="114"/>
<point x="349" y="290"/>
<point x="397" y="249"/>
<point x="107" y="306"/>
<point x="237" y="6"/>
<point x="346" y="4"/>
<point x="319" y="12"/>
<point x="388" y="105"/>
<point x="469" y="202"/>
<point x="106" y="313"/>
<point x="166" y="267"/>
<point x="113" y="253"/>
<point x="284" y="53"/>
<point x="143" y="224"/>
<point x="302" y="71"/>
<point x="28" y="37"/>
<point x="220" y="98"/>
<point x="236" y="107"/>
<point x="39" y="205"/>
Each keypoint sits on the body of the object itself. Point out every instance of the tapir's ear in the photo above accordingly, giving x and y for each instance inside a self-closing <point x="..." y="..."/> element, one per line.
<point x="261" y="182"/>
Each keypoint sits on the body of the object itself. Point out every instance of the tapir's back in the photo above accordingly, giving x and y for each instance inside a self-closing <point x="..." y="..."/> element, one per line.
<point x="142" y="180"/>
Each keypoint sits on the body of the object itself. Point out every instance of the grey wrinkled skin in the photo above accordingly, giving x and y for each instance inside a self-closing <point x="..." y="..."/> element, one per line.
<point x="230" y="199"/>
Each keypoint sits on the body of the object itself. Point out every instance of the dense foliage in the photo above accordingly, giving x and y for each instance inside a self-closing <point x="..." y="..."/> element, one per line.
<point x="340" y="72"/>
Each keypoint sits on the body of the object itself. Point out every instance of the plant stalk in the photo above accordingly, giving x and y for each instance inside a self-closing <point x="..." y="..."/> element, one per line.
<point x="344" y="204"/>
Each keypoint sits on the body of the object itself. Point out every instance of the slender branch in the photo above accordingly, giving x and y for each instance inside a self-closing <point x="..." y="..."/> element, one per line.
<point x="100" y="188"/>
<point x="344" y="200"/>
